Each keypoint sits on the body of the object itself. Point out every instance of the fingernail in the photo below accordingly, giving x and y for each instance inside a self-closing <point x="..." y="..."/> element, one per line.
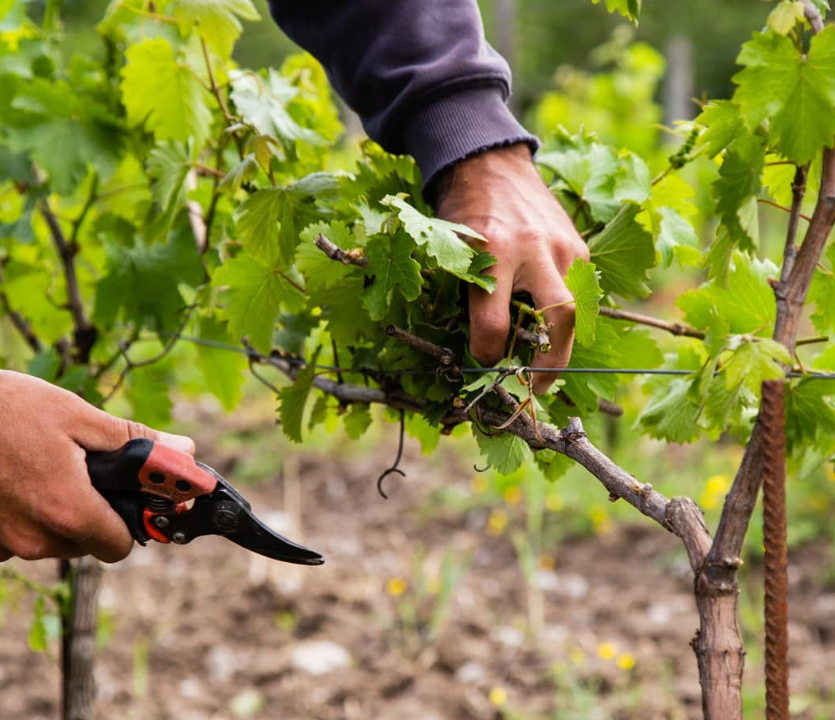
<point x="178" y="442"/>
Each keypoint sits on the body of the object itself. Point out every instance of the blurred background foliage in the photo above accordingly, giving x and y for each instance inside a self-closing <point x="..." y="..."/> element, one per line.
<point x="542" y="37"/>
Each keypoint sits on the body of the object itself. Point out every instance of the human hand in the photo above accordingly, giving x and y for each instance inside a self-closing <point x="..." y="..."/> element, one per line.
<point x="501" y="195"/>
<point x="48" y="507"/>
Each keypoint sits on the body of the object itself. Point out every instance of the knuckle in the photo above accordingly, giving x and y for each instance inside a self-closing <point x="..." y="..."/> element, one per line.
<point x="493" y="324"/>
<point x="30" y="549"/>
<point x="66" y="524"/>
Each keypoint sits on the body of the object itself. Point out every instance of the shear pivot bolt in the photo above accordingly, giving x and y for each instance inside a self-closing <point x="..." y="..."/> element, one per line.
<point x="179" y="538"/>
<point x="226" y="516"/>
<point x="161" y="521"/>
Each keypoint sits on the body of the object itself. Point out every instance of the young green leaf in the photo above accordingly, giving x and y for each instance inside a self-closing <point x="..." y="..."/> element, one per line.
<point x="216" y="21"/>
<point x="630" y="9"/>
<point x="441" y="238"/>
<point x="294" y="400"/>
<point x="162" y="92"/>
<point x="723" y="124"/>
<point x="737" y="188"/>
<point x="747" y="304"/>
<point x="795" y="91"/>
<point x="504" y="453"/>
<point x="623" y="253"/>
<point x="255" y="294"/>
<point x="390" y="263"/>
<point x="263" y="104"/>
<point x="582" y="280"/>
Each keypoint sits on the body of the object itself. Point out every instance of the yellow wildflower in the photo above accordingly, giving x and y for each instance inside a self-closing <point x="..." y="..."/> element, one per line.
<point x="498" y="697"/>
<point x="512" y="495"/>
<point x="607" y="650"/>
<point x="479" y="483"/>
<point x="553" y="502"/>
<point x="715" y="488"/>
<point x="625" y="661"/>
<point x="497" y="522"/>
<point x="396" y="586"/>
<point x="600" y="519"/>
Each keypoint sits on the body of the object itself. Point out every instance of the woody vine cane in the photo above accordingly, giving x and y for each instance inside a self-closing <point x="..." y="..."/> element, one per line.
<point x="366" y="242"/>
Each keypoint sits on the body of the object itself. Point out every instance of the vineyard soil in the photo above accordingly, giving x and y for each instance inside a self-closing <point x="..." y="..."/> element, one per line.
<point x="223" y="638"/>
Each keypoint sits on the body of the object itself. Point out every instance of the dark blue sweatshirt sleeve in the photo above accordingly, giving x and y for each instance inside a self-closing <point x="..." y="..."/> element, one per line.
<point x="419" y="73"/>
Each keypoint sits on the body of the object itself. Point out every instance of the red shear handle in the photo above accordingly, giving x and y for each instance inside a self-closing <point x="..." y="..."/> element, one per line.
<point x="141" y="468"/>
<point x="146" y="466"/>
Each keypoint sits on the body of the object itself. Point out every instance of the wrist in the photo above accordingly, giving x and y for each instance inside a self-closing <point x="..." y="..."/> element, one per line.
<point x="509" y="161"/>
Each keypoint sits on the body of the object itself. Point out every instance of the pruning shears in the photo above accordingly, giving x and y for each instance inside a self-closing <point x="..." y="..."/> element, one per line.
<point x="164" y="495"/>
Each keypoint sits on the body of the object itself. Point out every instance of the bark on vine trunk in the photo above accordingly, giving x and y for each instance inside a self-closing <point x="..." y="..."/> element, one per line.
<point x="78" y="650"/>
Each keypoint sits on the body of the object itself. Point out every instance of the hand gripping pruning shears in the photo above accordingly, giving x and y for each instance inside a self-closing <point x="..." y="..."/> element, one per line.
<point x="163" y="494"/>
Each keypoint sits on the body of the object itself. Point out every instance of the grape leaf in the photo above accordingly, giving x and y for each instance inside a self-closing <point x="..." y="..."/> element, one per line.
<point x="671" y="414"/>
<point x="674" y="236"/>
<point x="785" y="15"/>
<point x="753" y="362"/>
<point x="390" y="262"/>
<point x="796" y="91"/>
<point x="342" y="307"/>
<point x="271" y="220"/>
<point x="162" y="92"/>
<point x="243" y="172"/>
<point x="504" y="453"/>
<point x="169" y="164"/>
<point x="147" y="393"/>
<point x="223" y="371"/>
<point x="217" y="21"/>
<point x="737" y="188"/>
<point x="294" y="400"/>
<point x="630" y="9"/>
<point x="747" y="304"/>
<point x="600" y="176"/>
<point x="438" y="236"/>
<point x="822" y="293"/>
<point x="138" y="285"/>
<point x="623" y="252"/>
<point x="263" y="104"/>
<point x="810" y="415"/>
<point x="724" y="125"/>
<point x="583" y="283"/>
<point x="423" y="431"/>
<point x="357" y="420"/>
<point x="64" y="133"/>
<point x="255" y="294"/>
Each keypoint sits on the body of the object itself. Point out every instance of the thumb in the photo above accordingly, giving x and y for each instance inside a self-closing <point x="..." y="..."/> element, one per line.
<point x="97" y="430"/>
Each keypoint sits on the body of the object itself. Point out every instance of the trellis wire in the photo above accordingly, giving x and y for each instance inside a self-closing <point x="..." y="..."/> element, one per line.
<point x="478" y="371"/>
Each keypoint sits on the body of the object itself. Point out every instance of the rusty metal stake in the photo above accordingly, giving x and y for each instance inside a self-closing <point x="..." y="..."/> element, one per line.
<point x="776" y="560"/>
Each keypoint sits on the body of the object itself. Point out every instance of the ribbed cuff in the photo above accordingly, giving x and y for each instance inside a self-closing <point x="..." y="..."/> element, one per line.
<point x="459" y="125"/>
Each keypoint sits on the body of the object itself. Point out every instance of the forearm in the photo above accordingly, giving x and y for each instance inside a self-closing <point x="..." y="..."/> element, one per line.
<point x="421" y="76"/>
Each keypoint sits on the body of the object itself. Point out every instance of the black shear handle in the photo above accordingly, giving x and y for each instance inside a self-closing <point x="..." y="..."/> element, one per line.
<point x="115" y="475"/>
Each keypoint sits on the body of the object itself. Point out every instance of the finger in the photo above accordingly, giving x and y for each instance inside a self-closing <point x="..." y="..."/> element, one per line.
<point x="94" y="429"/>
<point x="84" y="518"/>
<point x="38" y="545"/>
<point x="490" y="320"/>
<point x="549" y="291"/>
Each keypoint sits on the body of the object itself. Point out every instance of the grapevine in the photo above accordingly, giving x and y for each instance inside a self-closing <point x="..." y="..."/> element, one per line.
<point x="168" y="206"/>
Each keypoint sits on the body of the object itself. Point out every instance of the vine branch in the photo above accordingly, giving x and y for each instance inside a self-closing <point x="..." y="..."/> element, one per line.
<point x="84" y="334"/>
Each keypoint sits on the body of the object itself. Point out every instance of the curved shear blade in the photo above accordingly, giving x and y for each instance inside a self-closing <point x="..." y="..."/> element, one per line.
<point x="229" y="514"/>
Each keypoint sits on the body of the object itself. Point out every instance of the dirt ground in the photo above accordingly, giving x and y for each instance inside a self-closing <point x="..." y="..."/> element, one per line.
<point x="209" y="632"/>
